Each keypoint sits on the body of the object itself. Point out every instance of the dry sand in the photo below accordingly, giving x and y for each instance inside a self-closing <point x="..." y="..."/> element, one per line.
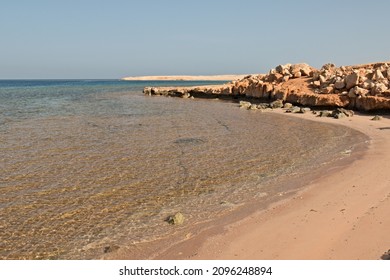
<point x="342" y="215"/>
<point x="186" y="78"/>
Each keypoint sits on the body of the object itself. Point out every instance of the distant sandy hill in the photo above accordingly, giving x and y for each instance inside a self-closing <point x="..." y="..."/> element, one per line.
<point x="186" y="78"/>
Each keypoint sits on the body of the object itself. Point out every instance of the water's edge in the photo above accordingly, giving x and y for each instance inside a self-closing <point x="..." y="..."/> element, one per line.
<point x="94" y="168"/>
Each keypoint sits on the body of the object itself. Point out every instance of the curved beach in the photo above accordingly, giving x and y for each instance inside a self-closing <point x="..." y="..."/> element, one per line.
<point x="342" y="212"/>
<point x="339" y="212"/>
<point x="341" y="215"/>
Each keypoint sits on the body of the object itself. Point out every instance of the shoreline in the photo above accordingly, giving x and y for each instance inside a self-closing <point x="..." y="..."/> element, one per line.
<point x="295" y="226"/>
<point x="360" y="87"/>
<point x="340" y="215"/>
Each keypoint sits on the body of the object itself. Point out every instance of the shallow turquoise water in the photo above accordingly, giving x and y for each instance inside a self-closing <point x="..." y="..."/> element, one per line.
<point x="92" y="164"/>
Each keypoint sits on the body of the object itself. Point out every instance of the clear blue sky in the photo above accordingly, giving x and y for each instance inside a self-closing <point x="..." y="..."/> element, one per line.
<point x="114" y="38"/>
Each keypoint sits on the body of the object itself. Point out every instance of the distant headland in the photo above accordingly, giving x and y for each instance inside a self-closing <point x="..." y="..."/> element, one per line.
<point x="186" y="78"/>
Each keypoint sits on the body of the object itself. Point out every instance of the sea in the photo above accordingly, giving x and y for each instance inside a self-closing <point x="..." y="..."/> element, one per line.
<point x="90" y="166"/>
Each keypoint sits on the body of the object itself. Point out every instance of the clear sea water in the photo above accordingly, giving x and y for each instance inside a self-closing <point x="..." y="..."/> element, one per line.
<point x="88" y="165"/>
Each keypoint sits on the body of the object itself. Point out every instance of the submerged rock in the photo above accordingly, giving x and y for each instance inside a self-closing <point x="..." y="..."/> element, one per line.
<point x="110" y="248"/>
<point x="304" y="110"/>
<point x="276" y="104"/>
<point x="176" y="219"/>
<point x="294" y="109"/>
<point x="324" y="113"/>
<point x="245" y="104"/>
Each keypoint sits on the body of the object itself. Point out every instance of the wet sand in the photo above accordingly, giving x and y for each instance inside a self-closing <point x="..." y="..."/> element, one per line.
<point x="341" y="215"/>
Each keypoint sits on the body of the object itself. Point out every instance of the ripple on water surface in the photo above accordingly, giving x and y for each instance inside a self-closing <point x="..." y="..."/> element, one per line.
<point x="111" y="168"/>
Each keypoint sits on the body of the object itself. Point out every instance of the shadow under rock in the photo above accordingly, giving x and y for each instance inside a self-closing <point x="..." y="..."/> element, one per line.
<point x="386" y="255"/>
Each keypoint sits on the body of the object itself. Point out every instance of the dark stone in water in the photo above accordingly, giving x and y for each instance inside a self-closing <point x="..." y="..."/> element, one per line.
<point x="110" y="248"/>
<point x="192" y="141"/>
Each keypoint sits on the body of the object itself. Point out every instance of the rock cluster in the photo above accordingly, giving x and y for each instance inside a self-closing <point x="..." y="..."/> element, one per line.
<point x="366" y="87"/>
<point x="363" y="87"/>
<point x="268" y="86"/>
<point x="337" y="113"/>
<point x="354" y="81"/>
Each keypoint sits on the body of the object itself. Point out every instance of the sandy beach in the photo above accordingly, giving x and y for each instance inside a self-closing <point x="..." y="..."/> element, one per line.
<point x="341" y="215"/>
<point x="337" y="213"/>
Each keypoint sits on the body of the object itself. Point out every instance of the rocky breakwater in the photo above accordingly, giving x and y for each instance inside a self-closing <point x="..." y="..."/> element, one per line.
<point x="362" y="87"/>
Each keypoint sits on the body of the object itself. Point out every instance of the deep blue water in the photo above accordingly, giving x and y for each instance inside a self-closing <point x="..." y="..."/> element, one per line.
<point x="21" y="99"/>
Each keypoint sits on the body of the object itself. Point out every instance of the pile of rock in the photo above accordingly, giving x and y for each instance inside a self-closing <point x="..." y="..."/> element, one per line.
<point x="362" y="87"/>
<point x="266" y="86"/>
<point x="282" y="73"/>
<point x="354" y="81"/>
<point x="337" y="113"/>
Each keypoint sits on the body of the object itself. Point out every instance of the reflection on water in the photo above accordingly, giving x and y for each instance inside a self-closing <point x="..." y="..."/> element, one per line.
<point x="81" y="172"/>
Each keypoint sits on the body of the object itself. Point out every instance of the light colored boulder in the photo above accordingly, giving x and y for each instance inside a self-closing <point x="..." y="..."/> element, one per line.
<point x="368" y="84"/>
<point x="340" y="84"/>
<point x="358" y="91"/>
<point x="275" y="77"/>
<point x="287" y="105"/>
<point x="294" y="109"/>
<point x="285" y="78"/>
<point x="306" y="71"/>
<point x="245" y="104"/>
<point x="378" y="76"/>
<point x="327" y="90"/>
<point x="277" y="104"/>
<point x="302" y="68"/>
<point x="351" y="80"/>
<point x="379" y="88"/>
<point x="322" y="79"/>
<point x="297" y="75"/>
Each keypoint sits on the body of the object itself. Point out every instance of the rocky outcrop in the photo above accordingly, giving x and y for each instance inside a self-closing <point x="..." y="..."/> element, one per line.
<point x="362" y="87"/>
